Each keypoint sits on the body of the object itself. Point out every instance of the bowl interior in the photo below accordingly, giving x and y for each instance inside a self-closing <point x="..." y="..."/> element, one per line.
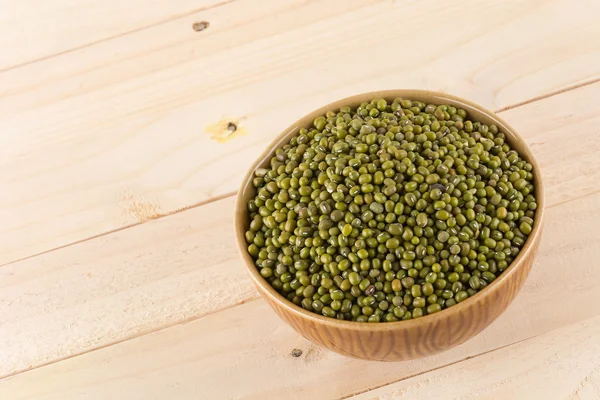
<point x="474" y="111"/>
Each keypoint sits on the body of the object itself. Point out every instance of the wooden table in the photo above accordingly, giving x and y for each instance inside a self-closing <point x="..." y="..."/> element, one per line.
<point x="119" y="277"/>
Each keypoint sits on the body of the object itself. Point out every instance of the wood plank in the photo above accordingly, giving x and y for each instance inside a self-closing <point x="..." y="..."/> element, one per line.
<point x="119" y="286"/>
<point x="244" y="352"/>
<point x="36" y="29"/>
<point x="47" y="166"/>
<point x="115" y="133"/>
<point x="560" y="132"/>
<point x="562" y="364"/>
<point x="157" y="274"/>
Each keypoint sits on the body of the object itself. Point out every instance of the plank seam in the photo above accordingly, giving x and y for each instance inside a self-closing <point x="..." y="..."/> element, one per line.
<point x="131" y="337"/>
<point x="225" y="195"/>
<point x="447" y="365"/>
<point x="108" y="38"/>
<point x="109" y="232"/>
<point x="549" y="94"/>
<point x="256" y="298"/>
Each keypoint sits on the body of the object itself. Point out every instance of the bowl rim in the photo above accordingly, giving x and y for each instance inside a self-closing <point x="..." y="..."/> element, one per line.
<point x="413" y="94"/>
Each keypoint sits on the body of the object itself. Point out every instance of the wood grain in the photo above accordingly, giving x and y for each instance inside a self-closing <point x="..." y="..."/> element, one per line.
<point x="557" y="130"/>
<point x="37" y="306"/>
<point x="119" y="286"/>
<point x="563" y="364"/>
<point x="403" y="340"/>
<point x="36" y="29"/>
<point x="116" y="133"/>
<point x="250" y="343"/>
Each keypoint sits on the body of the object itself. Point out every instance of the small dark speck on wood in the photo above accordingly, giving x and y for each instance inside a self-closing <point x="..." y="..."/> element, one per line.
<point x="231" y="127"/>
<point x="200" y="26"/>
<point x="296" y="353"/>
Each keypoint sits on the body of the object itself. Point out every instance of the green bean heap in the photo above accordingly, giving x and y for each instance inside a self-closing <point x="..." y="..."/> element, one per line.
<point x="389" y="211"/>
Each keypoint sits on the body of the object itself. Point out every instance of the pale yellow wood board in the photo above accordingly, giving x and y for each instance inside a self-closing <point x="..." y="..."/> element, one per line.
<point x="31" y="30"/>
<point x="118" y="286"/>
<point x="116" y="133"/>
<point x="570" y="243"/>
<point x="563" y="364"/>
<point x="244" y="351"/>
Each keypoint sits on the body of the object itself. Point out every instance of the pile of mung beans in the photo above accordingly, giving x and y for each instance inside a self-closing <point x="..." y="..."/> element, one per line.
<point x="389" y="211"/>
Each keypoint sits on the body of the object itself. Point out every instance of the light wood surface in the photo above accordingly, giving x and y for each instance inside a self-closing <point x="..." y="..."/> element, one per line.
<point x="37" y="29"/>
<point x="117" y="132"/>
<point x="112" y="116"/>
<point x="562" y="364"/>
<point x="126" y="279"/>
<point x="249" y="342"/>
<point x="119" y="286"/>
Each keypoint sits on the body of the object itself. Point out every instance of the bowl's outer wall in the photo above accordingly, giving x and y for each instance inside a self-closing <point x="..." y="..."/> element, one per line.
<point x="416" y="338"/>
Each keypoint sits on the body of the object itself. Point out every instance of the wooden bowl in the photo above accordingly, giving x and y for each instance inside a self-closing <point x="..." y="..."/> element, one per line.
<point x="402" y="340"/>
